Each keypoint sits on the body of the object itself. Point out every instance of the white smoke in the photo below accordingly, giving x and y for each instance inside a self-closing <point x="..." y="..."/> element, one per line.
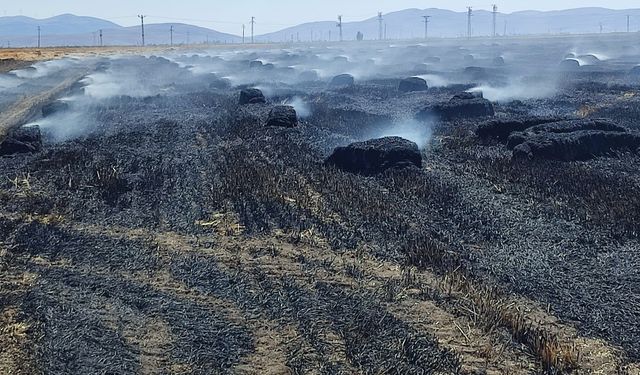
<point x="519" y="89"/>
<point x="44" y="68"/>
<point x="302" y="108"/>
<point x="435" y="80"/>
<point x="420" y="133"/>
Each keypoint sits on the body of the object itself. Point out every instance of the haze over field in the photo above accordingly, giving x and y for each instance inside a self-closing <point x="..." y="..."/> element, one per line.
<point x="203" y="23"/>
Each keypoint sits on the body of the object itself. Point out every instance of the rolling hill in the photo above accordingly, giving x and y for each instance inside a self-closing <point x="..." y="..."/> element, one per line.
<point x="68" y="29"/>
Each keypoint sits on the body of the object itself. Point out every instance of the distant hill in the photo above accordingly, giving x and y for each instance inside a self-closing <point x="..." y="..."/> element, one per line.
<point x="58" y="25"/>
<point x="68" y="29"/>
<point x="445" y="23"/>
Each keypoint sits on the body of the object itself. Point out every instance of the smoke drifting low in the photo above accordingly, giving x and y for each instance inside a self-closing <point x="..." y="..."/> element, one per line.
<point x="503" y="71"/>
<point x="418" y="132"/>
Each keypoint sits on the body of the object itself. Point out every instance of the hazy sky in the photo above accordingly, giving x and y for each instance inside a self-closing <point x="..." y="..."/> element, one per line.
<point x="271" y="15"/>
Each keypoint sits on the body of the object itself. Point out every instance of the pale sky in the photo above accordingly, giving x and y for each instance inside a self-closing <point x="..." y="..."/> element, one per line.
<point x="271" y="15"/>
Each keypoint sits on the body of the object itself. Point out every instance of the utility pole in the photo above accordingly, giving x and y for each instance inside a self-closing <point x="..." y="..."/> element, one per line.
<point x="469" y="15"/>
<point x="171" y="35"/>
<point x="253" y="22"/>
<point x="495" y="18"/>
<point x="426" y="27"/>
<point x="38" y="36"/>
<point x="385" y="31"/>
<point x="628" y="23"/>
<point x="101" y="41"/>
<point x="142" y="24"/>
<point x="243" y="33"/>
<point x="340" y="26"/>
<point x="188" y="37"/>
<point x="505" y="28"/>
<point x="380" y="19"/>
<point x="600" y="27"/>
<point x="329" y="35"/>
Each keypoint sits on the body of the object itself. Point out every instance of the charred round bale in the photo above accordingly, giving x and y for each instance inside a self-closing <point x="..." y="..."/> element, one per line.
<point x="251" y="96"/>
<point x="342" y="80"/>
<point x="376" y="156"/>
<point x="461" y="106"/>
<point x="501" y="129"/>
<point x="467" y="95"/>
<point x="22" y="140"/>
<point x="255" y="64"/>
<point x="562" y="127"/>
<point x="283" y="116"/>
<point x="412" y="84"/>
<point x="576" y="146"/>
<point x="498" y="61"/>
<point x="569" y="65"/>
<point x="54" y="107"/>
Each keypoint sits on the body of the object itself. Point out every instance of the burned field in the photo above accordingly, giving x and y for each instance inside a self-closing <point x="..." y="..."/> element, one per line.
<point x="188" y="214"/>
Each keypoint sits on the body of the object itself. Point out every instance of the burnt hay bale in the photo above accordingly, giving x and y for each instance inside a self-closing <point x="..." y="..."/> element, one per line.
<point x="576" y="146"/>
<point x="283" y="116"/>
<point x="255" y="64"/>
<point x="22" y="140"/>
<point x="467" y="95"/>
<point x="412" y="84"/>
<point x="500" y="129"/>
<point x="251" y="96"/>
<point x="54" y="107"/>
<point x="376" y="156"/>
<point x="342" y="80"/>
<point x="562" y="127"/>
<point x="569" y="65"/>
<point x="498" y="61"/>
<point x="463" y="106"/>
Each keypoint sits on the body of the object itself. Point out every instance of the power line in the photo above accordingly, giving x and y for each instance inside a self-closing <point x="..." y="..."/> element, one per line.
<point x="628" y="23"/>
<point x="426" y="26"/>
<point x="469" y="15"/>
<point x="495" y="17"/>
<point x="253" y="22"/>
<point x="142" y="24"/>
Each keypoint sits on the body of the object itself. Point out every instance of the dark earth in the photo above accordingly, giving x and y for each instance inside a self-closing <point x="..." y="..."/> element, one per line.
<point x="161" y="227"/>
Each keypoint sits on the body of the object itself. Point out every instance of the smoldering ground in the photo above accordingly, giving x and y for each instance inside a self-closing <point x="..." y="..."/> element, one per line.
<point x="227" y="239"/>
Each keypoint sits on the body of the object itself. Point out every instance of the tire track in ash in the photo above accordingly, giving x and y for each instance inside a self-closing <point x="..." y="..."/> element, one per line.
<point x="472" y="344"/>
<point x="596" y="356"/>
<point x="272" y="339"/>
<point x="77" y="326"/>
